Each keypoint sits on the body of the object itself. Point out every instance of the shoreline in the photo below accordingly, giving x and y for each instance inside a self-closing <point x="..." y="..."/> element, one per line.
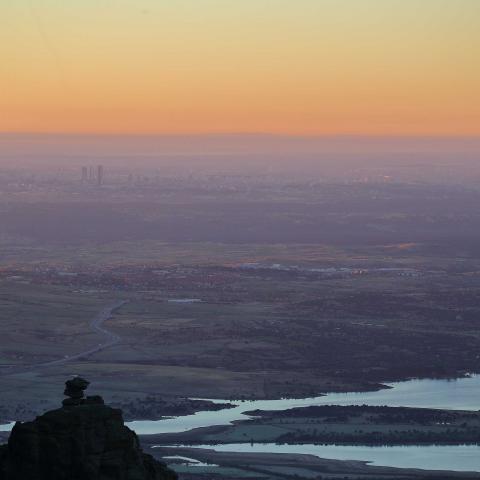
<point x="228" y="401"/>
<point x="353" y="425"/>
<point x="348" y="469"/>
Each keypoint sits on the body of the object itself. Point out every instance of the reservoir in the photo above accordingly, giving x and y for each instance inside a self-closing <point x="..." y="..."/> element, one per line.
<point x="459" y="394"/>
<point x="463" y="458"/>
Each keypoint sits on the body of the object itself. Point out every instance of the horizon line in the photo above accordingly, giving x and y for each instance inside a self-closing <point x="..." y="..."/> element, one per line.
<point x="243" y="134"/>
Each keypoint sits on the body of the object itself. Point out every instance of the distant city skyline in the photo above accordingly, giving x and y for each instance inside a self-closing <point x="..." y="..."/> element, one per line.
<point x="303" y="67"/>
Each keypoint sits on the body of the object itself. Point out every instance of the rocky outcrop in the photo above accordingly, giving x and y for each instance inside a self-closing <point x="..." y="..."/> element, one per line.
<point x="83" y="440"/>
<point x="75" y="390"/>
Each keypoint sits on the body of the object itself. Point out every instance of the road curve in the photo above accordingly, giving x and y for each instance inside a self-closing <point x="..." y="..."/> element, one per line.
<point x="96" y="324"/>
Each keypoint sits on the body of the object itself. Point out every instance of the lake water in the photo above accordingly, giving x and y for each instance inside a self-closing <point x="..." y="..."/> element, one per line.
<point x="7" y="427"/>
<point x="460" y="394"/>
<point x="463" y="458"/>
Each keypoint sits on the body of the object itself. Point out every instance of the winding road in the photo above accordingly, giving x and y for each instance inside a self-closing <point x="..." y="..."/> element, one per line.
<point x="96" y="324"/>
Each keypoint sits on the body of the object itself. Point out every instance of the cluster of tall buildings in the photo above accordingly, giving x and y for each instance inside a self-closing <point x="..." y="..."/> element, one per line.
<point x="93" y="174"/>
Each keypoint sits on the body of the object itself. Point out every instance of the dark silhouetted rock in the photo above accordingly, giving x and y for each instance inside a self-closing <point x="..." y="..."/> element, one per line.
<point x="75" y="390"/>
<point x="83" y="440"/>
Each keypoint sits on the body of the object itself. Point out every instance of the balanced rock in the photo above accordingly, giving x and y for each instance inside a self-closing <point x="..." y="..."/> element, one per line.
<point x="83" y="441"/>
<point x="75" y="388"/>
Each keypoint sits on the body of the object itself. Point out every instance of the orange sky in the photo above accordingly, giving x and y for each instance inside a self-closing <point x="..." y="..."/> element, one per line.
<point x="375" y="67"/>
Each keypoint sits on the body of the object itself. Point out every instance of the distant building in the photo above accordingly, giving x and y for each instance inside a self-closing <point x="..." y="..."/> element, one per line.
<point x="84" y="174"/>
<point x="100" y="175"/>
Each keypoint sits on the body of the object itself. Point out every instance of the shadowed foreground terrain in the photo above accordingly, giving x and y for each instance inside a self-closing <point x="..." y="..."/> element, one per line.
<point x="83" y="440"/>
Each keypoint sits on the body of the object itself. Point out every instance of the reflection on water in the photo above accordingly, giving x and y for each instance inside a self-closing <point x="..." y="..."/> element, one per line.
<point x="461" y="394"/>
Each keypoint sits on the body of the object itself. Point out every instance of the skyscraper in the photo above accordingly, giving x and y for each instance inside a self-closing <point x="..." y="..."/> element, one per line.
<point x="100" y="174"/>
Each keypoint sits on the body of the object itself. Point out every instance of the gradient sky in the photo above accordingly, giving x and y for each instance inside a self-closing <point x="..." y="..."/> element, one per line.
<point x="376" y="67"/>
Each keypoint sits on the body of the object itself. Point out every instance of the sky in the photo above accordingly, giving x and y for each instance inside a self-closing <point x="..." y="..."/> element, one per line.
<point x="296" y="67"/>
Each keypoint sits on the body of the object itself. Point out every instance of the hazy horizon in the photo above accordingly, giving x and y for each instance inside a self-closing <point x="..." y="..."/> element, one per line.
<point x="330" y="156"/>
